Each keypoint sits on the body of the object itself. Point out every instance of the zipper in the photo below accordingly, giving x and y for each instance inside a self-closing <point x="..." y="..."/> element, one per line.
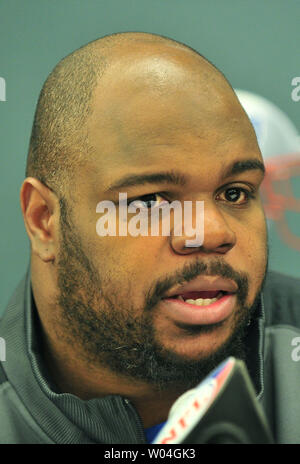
<point x="260" y="347"/>
<point x="138" y="422"/>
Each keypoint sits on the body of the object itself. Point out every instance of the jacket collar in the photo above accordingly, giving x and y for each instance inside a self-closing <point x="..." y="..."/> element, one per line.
<point x="255" y="348"/>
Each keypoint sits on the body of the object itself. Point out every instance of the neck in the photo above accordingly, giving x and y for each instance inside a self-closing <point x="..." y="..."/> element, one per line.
<point x="71" y="373"/>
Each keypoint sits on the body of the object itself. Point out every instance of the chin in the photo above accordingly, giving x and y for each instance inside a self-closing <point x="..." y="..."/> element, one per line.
<point x="199" y="342"/>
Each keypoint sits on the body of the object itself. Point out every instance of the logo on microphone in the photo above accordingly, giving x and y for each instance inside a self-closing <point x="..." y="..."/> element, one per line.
<point x="192" y="405"/>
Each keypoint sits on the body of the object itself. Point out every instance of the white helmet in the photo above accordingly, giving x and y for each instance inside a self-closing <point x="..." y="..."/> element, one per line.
<point x="279" y="143"/>
<point x="276" y="134"/>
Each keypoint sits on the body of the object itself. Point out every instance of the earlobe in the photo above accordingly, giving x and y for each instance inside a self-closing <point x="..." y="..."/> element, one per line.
<point x="39" y="208"/>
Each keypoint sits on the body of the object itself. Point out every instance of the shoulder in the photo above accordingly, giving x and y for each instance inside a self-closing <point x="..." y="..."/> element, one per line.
<point x="282" y="299"/>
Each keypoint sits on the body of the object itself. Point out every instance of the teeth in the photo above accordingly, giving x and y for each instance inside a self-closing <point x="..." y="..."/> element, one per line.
<point x="203" y="301"/>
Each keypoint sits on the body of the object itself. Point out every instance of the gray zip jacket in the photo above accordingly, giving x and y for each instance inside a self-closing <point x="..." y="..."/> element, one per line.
<point x="33" y="411"/>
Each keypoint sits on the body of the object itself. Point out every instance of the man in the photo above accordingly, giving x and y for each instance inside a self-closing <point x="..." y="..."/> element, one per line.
<point x="105" y="332"/>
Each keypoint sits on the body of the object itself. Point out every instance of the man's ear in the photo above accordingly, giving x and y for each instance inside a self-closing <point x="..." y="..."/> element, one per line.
<point x="40" y="208"/>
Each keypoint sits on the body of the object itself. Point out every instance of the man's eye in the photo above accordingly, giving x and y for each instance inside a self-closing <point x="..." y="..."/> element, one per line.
<point x="151" y="200"/>
<point x="236" y="195"/>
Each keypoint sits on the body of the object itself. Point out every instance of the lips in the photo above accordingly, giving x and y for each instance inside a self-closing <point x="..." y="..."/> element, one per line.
<point x="217" y="294"/>
<point x="200" y="294"/>
<point x="203" y="287"/>
<point x="190" y="314"/>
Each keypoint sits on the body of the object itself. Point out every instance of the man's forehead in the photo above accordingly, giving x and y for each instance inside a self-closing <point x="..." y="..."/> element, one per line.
<point x="137" y="122"/>
<point x="156" y="135"/>
<point x="158" y="75"/>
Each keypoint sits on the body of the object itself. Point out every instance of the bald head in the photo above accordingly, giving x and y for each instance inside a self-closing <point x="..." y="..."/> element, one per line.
<point x="60" y="141"/>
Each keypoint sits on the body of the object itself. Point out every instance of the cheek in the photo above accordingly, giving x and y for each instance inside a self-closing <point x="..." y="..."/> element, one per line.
<point x="126" y="264"/>
<point x="253" y="246"/>
<point x="128" y="253"/>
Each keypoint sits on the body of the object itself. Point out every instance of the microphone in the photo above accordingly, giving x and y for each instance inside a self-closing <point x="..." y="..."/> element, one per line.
<point x="222" y="409"/>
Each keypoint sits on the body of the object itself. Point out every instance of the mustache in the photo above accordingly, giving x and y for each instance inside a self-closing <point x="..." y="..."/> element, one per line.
<point x="192" y="270"/>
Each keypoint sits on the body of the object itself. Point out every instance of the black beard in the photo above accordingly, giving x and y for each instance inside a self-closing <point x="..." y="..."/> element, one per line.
<point x="109" y="334"/>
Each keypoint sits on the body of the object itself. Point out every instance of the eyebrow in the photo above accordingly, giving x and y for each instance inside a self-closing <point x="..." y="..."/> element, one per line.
<point x="238" y="167"/>
<point x="171" y="177"/>
<point x="176" y="178"/>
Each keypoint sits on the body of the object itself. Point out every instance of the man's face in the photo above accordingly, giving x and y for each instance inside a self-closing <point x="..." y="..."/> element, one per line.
<point x="114" y="290"/>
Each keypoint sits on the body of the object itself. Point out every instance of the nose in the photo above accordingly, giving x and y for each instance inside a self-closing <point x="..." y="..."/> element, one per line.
<point x="218" y="236"/>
